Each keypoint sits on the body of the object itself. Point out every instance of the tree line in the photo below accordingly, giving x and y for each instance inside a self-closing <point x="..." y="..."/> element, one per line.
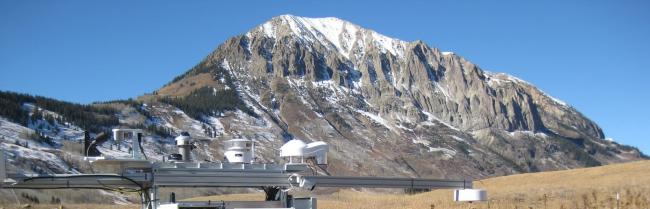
<point x="88" y="117"/>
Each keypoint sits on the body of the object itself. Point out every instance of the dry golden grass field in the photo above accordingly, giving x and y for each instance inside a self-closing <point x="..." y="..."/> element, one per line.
<point x="587" y="188"/>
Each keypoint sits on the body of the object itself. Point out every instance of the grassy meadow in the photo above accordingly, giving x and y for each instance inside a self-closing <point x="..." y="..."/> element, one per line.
<point x="586" y="188"/>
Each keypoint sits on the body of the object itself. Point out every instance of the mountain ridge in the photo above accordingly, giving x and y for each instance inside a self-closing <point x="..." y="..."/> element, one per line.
<point x="289" y="63"/>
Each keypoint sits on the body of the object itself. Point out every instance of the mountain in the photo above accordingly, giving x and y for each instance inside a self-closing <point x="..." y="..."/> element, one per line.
<point x="387" y="107"/>
<point x="411" y="108"/>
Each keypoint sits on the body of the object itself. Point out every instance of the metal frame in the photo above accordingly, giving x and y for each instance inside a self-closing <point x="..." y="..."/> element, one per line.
<point x="278" y="177"/>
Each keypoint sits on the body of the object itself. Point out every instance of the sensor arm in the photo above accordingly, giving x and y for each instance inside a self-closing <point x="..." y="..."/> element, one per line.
<point x="381" y="182"/>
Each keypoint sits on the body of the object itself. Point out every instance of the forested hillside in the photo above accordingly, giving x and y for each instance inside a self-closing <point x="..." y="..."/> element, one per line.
<point x="88" y="117"/>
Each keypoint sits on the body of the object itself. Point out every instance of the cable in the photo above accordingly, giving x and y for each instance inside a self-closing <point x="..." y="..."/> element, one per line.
<point x="88" y="150"/>
<point x="118" y="189"/>
<point x="143" y="198"/>
<point x="84" y="176"/>
<point x="72" y="187"/>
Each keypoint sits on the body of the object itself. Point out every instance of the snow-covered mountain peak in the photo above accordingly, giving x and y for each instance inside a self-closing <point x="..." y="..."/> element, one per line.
<point x="341" y="35"/>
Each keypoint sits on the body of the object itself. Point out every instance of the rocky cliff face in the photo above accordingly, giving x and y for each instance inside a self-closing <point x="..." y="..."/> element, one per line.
<point x="408" y="108"/>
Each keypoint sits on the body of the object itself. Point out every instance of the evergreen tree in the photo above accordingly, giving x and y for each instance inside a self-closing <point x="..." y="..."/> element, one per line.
<point x="208" y="102"/>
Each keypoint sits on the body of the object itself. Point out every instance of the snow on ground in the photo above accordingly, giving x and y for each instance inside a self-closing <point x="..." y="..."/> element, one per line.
<point x="400" y="126"/>
<point x="51" y="160"/>
<point x="403" y="118"/>
<point x="114" y="153"/>
<point x="269" y="29"/>
<point x="458" y="138"/>
<point x="447" y="153"/>
<point x="529" y="133"/>
<point x="42" y="154"/>
<point x="394" y="46"/>
<point x="12" y="134"/>
<point x="56" y="131"/>
<point x="225" y="64"/>
<point x="178" y="120"/>
<point x="336" y="33"/>
<point x="378" y="119"/>
<point x="117" y="197"/>
<point x="215" y="124"/>
<point x="175" y="118"/>
<point x="442" y="90"/>
<point x="333" y="33"/>
<point x="336" y="91"/>
<point x="418" y="140"/>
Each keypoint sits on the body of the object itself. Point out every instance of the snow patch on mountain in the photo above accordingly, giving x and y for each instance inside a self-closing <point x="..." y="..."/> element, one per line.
<point x="334" y="33"/>
<point x="374" y="117"/>
<point x="528" y="133"/>
<point x="54" y="130"/>
<point x="447" y="153"/>
<point x="377" y="119"/>
<point x="458" y="138"/>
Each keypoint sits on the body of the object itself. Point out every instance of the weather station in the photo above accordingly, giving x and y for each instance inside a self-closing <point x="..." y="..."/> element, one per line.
<point x="239" y="169"/>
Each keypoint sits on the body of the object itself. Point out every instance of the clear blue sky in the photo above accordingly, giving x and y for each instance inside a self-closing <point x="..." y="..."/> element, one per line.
<point x="592" y="54"/>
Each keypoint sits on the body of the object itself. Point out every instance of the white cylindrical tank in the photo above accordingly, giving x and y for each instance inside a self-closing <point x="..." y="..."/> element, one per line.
<point x="184" y="144"/>
<point x="470" y="195"/>
<point x="238" y="150"/>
